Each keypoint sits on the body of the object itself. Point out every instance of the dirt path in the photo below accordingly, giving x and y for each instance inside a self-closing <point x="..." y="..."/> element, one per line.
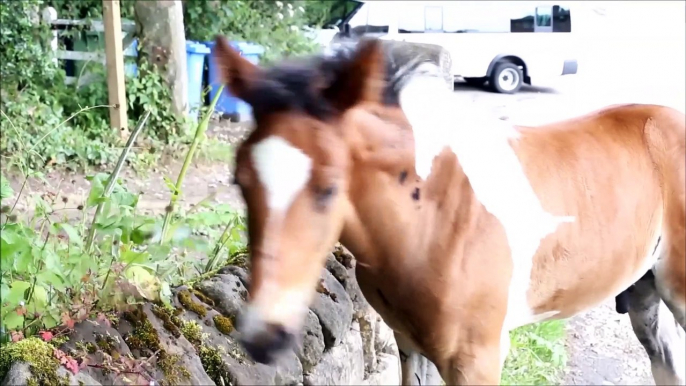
<point x="603" y="350"/>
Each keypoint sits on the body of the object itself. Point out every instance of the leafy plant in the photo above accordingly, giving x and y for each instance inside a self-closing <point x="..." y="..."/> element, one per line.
<point x="56" y="272"/>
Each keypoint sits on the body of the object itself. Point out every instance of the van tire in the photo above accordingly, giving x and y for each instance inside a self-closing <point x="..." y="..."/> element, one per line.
<point x="502" y="72"/>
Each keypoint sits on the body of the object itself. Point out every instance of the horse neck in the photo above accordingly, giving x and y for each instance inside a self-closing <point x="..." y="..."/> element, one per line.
<point x="394" y="215"/>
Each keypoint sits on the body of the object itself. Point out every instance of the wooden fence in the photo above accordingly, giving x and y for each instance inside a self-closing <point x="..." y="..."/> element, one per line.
<point x="50" y="17"/>
<point x="118" y="37"/>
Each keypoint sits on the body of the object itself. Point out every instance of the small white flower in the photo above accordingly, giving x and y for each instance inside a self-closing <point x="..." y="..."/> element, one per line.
<point x="301" y="9"/>
<point x="279" y="4"/>
<point x="295" y="28"/>
<point x="290" y="12"/>
<point x="290" y="6"/>
<point x="21" y="303"/>
<point x="279" y="15"/>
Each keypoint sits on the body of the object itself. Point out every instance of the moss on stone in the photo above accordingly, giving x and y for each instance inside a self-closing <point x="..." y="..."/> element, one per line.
<point x="59" y="341"/>
<point x="143" y="335"/>
<point x="39" y="356"/>
<point x="173" y="372"/>
<point x="106" y="343"/>
<point x="193" y="332"/>
<point x="187" y="302"/>
<point x="223" y="324"/>
<point x="169" y="321"/>
<point x="203" y="298"/>
<point x="214" y="366"/>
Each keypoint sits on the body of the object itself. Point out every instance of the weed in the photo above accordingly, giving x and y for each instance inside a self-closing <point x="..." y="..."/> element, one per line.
<point x="537" y="355"/>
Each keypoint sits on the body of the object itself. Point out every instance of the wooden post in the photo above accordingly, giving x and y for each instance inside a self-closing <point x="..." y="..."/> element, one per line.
<point x="50" y="15"/>
<point x="114" y="58"/>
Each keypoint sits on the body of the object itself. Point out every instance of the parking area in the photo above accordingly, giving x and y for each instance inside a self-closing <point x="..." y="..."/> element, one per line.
<point x="612" y="70"/>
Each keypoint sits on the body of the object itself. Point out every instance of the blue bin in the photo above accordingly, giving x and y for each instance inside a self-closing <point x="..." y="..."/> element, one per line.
<point x="227" y="103"/>
<point x="130" y="67"/>
<point x="195" y="64"/>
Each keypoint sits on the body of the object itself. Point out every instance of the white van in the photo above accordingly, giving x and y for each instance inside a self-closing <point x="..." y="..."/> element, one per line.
<point x="502" y="43"/>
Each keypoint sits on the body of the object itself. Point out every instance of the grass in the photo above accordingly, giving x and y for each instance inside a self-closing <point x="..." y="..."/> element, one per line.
<point x="537" y="355"/>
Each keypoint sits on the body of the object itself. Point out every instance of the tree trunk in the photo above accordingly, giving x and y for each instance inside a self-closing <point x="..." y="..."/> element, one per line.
<point x="163" y="42"/>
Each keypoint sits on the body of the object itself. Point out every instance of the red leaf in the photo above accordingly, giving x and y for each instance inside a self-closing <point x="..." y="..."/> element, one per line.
<point x="17" y="336"/>
<point x="46" y="335"/>
<point x="59" y="354"/>
<point x="72" y="365"/>
<point x="84" y="363"/>
<point x="67" y="320"/>
<point x="102" y="318"/>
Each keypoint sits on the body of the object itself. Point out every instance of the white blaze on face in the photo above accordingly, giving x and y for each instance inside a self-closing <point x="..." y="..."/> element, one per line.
<point x="282" y="169"/>
<point x="482" y="146"/>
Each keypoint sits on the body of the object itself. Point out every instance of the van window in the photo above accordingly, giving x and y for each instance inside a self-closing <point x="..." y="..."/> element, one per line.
<point x="411" y="18"/>
<point x="524" y="23"/>
<point x="562" y="19"/>
<point x="377" y="18"/>
<point x="544" y="17"/>
<point x="433" y="19"/>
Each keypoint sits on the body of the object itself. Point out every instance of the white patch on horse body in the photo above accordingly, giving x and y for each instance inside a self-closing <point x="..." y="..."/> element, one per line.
<point x="481" y="144"/>
<point x="282" y="169"/>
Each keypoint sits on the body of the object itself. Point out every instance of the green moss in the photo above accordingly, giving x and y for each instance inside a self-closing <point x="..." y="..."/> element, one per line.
<point x="91" y="348"/>
<point x="214" y="365"/>
<point x="143" y="335"/>
<point x="172" y="370"/>
<point x="58" y="341"/>
<point x="38" y="355"/>
<point x="223" y="324"/>
<point x="170" y="322"/>
<point x="203" y="298"/>
<point x="106" y="343"/>
<point x="193" y="332"/>
<point x="187" y="301"/>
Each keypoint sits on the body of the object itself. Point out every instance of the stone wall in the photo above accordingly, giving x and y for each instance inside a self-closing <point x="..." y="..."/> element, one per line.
<point x="345" y="342"/>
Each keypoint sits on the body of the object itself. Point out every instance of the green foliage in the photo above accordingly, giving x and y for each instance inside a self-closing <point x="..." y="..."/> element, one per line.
<point x="54" y="272"/>
<point x="537" y="355"/>
<point x="23" y="56"/>
<point x="277" y="26"/>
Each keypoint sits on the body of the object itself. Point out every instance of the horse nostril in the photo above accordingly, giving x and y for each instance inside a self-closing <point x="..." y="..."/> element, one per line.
<point x="265" y="345"/>
<point x="282" y="339"/>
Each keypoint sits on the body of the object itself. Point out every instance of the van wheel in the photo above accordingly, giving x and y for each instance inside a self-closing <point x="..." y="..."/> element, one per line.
<point x="475" y="82"/>
<point x="506" y="78"/>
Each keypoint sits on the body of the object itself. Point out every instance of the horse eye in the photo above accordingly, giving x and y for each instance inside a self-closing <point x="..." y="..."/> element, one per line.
<point x="325" y="193"/>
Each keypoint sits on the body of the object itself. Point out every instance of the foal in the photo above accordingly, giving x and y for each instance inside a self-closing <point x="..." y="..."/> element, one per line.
<point x="464" y="227"/>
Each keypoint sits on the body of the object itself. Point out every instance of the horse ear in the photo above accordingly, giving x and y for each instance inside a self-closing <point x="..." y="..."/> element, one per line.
<point x="234" y="70"/>
<point x="361" y="79"/>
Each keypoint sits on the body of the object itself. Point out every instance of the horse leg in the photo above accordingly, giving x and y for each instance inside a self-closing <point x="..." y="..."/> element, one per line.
<point x="670" y="271"/>
<point x="416" y="369"/>
<point x="658" y="332"/>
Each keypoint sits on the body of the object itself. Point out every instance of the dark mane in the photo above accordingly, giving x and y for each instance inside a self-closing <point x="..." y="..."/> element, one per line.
<point x="291" y="84"/>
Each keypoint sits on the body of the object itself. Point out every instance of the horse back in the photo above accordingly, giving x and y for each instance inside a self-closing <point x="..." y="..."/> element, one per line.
<point x="620" y="172"/>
